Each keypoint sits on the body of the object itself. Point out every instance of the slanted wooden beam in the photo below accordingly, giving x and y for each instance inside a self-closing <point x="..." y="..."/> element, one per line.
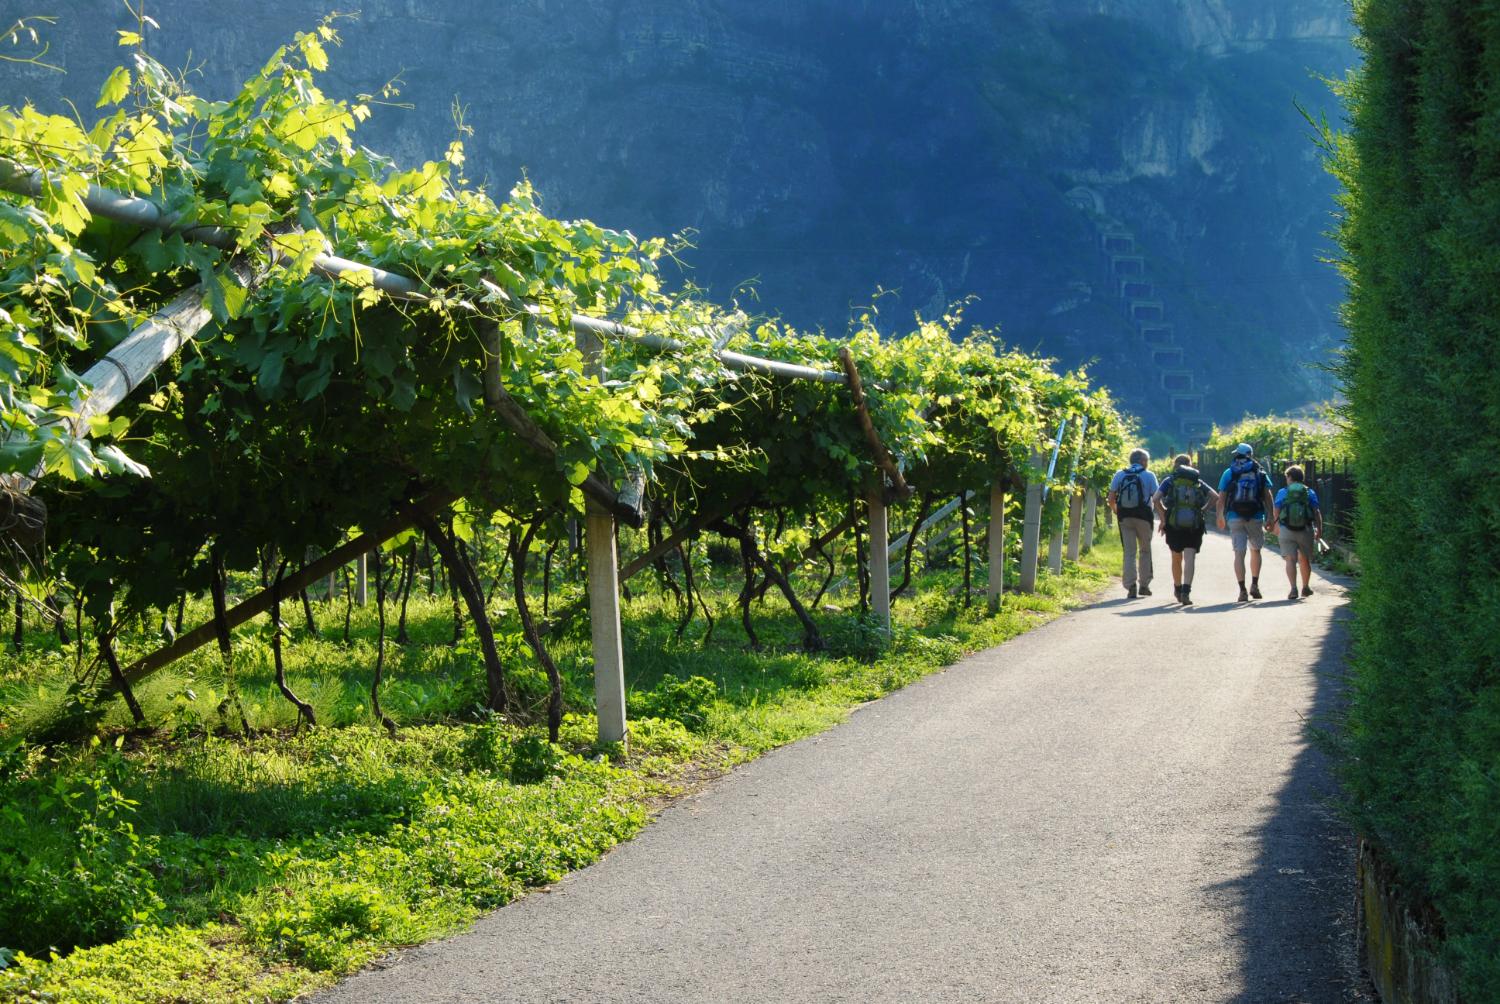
<point x="861" y="408"/>
<point x="684" y="533"/>
<point x="261" y="602"/>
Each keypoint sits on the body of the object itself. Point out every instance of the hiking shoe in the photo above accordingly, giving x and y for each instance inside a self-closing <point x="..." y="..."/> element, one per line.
<point x="1254" y="591"/>
<point x="1187" y="596"/>
<point x="1145" y="591"/>
<point x="1130" y="593"/>
<point x="1307" y="590"/>
<point x="1177" y="592"/>
<point x="1293" y="594"/>
<point x="1244" y="596"/>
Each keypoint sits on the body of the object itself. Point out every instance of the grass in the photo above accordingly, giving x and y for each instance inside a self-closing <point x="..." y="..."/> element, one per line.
<point x="191" y="865"/>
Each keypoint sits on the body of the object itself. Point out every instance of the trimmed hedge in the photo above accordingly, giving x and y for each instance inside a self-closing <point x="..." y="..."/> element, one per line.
<point x="1421" y="237"/>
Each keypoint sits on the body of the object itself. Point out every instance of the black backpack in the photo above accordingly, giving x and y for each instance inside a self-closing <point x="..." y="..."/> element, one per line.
<point x="1245" y="488"/>
<point x="1131" y="496"/>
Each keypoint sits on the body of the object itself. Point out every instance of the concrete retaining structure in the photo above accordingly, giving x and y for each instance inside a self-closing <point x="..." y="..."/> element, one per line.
<point x="1399" y="942"/>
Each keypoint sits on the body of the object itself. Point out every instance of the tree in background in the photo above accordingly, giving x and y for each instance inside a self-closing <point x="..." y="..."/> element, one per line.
<point x="1421" y="240"/>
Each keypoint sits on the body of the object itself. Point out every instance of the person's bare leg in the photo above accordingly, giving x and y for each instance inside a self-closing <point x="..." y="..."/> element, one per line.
<point x="1177" y="569"/>
<point x="1306" y="572"/>
<point x="1254" y="563"/>
<point x="1239" y="567"/>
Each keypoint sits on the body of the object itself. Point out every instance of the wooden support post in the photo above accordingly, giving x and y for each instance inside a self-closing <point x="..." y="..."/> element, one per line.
<point x="1090" y="517"/>
<point x="1075" y="524"/>
<point x="880" y="561"/>
<point x="1031" y="535"/>
<point x="362" y="580"/>
<point x="997" y="544"/>
<point x="604" y="616"/>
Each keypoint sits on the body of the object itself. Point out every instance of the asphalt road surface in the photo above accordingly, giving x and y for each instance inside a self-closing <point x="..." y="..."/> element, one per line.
<point x="1123" y="805"/>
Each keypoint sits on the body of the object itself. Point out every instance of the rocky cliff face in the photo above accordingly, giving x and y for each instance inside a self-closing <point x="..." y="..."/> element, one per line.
<point x="822" y="150"/>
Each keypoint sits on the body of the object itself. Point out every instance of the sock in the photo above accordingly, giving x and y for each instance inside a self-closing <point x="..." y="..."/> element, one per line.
<point x="1254" y="580"/>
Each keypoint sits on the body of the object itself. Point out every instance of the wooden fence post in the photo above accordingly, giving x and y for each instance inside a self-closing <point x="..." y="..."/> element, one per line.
<point x="1090" y="517"/>
<point x="997" y="544"/>
<point x="1075" y="523"/>
<point x="880" y="562"/>
<point x="362" y="579"/>
<point x="1031" y="533"/>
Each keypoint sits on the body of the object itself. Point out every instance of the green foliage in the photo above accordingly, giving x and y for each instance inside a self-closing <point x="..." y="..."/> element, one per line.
<point x="688" y="702"/>
<point x="90" y="887"/>
<point x="1422" y="199"/>
<point x="1278" y="438"/>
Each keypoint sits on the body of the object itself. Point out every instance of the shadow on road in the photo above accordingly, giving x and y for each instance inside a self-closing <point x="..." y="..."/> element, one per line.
<point x="1151" y="611"/>
<point x="1295" y="909"/>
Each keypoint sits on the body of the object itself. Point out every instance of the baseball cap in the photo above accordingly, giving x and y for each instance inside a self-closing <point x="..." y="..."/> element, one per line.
<point x="1243" y="450"/>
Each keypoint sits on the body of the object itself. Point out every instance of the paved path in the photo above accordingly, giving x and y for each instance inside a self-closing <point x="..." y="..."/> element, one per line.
<point x="1120" y="806"/>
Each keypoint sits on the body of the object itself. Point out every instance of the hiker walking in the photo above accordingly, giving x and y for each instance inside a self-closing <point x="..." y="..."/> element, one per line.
<point x="1301" y="520"/>
<point x="1130" y="492"/>
<point x="1179" y="504"/>
<point x="1245" y="491"/>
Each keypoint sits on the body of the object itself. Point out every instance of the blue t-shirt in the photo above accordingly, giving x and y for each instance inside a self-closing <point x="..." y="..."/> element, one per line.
<point x="1312" y="498"/>
<point x="1148" y="489"/>
<point x="1265" y="485"/>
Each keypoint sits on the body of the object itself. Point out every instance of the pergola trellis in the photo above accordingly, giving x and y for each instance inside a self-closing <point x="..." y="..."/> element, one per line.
<point x="161" y="336"/>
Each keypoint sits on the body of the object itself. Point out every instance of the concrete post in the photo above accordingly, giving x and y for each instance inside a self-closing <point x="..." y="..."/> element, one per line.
<point x="362" y="579"/>
<point x="997" y="545"/>
<point x="602" y="561"/>
<point x="1075" y="524"/>
<point x="1055" y="542"/>
<point x="1031" y="536"/>
<point x="604" y="618"/>
<point x="1090" y="518"/>
<point x="880" y="562"/>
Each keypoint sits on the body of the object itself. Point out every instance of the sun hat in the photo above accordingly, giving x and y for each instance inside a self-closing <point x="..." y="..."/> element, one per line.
<point x="1243" y="450"/>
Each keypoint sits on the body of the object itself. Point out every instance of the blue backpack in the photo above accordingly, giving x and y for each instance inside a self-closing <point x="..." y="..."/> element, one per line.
<point x="1245" y="488"/>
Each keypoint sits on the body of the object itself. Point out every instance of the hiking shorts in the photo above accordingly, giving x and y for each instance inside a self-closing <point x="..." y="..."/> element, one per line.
<point x="1294" y="542"/>
<point x="1245" y="533"/>
<point x="1181" y="540"/>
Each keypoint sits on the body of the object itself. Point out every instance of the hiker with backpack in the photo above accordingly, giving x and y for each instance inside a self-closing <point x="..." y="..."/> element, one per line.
<point x="1245" y="491"/>
<point x="1301" y="520"/>
<point x="1130" y="492"/>
<point x="1179" y="504"/>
